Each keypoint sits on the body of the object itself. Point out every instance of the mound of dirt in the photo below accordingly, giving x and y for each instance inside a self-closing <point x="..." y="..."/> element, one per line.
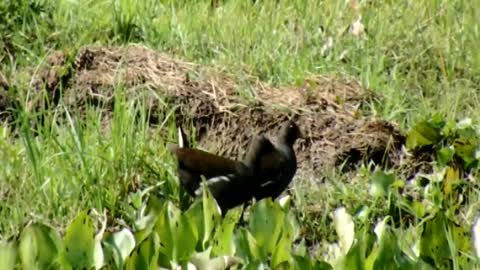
<point x="225" y="112"/>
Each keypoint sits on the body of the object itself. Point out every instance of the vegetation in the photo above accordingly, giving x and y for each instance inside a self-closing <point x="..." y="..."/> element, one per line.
<point x="421" y="56"/>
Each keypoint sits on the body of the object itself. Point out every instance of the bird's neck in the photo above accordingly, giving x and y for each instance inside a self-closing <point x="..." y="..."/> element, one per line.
<point x="285" y="147"/>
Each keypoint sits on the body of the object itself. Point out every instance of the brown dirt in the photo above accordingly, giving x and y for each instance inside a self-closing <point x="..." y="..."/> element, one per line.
<point x="226" y="113"/>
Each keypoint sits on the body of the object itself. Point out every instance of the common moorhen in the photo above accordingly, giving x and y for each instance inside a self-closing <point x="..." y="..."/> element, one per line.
<point x="266" y="170"/>
<point x="228" y="180"/>
<point x="274" y="165"/>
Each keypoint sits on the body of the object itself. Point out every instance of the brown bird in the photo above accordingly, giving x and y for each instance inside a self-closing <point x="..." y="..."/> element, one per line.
<point x="266" y="170"/>
<point x="228" y="180"/>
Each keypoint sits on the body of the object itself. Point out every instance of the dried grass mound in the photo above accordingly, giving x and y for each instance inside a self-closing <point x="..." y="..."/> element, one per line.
<point x="226" y="112"/>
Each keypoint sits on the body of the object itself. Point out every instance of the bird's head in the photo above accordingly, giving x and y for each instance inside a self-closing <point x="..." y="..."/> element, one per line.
<point x="289" y="133"/>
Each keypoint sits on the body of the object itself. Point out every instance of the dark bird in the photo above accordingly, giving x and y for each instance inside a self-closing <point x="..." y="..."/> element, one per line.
<point x="273" y="165"/>
<point x="266" y="170"/>
<point x="228" y="180"/>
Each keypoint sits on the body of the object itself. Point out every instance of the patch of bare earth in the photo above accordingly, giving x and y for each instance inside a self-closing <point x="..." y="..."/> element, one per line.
<point x="225" y="112"/>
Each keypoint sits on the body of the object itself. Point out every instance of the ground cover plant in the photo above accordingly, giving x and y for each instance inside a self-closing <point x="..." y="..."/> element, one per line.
<point x="386" y="91"/>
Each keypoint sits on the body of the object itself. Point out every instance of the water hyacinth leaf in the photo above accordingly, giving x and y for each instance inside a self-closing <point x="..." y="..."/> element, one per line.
<point x="202" y="261"/>
<point x="39" y="247"/>
<point x="380" y="183"/>
<point x="356" y="256"/>
<point x="301" y="249"/>
<point x="145" y="255"/>
<point x="321" y="265"/>
<point x="304" y="262"/>
<point x="167" y="222"/>
<point x="466" y="149"/>
<point x="223" y="241"/>
<point x="246" y="245"/>
<point x="434" y="245"/>
<point x="265" y="224"/>
<point x="422" y="134"/>
<point x="389" y="254"/>
<point x="345" y="229"/>
<point x="122" y="243"/>
<point x="440" y="238"/>
<point x="445" y="155"/>
<point x="290" y="232"/>
<point x="476" y="236"/>
<point x="301" y="262"/>
<point x="282" y="252"/>
<point x="354" y="259"/>
<point x="195" y="214"/>
<point x="452" y="179"/>
<point x="79" y="242"/>
<point x="205" y="214"/>
<point x="177" y="236"/>
<point x="211" y="215"/>
<point x="8" y="255"/>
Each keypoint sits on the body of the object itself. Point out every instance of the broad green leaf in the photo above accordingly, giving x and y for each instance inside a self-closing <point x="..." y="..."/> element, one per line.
<point x="466" y="149"/>
<point x="321" y="265"/>
<point x="205" y="215"/>
<point x="354" y="259"/>
<point x="223" y="242"/>
<point x="202" y="261"/>
<point x="79" y="242"/>
<point x="8" y="255"/>
<point x="40" y="247"/>
<point x="440" y="238"/>
<point x="246" y="246"/>
<point x="265" y="224"/>
<point x="290" y="231"/>
<point x="121" y="245"/>
<point x="145" y="255"/>
<point x="434" y="245"/>
<point x="356" y="256"/>
<point x="418" y="209"/>
<point x="452" y="178"/>
<point x="147" y="218"/>
<point x="380" y="183"/>
<point x="302" y="262"/>
<point x="301" y="249"/>
<point x="305" y="263"/>
<point x="282" y="252"/>
<point x="445" y="155"/>
<point x="476" y="236"/>
<point x="345" y="229"/>
<point x="177" y="236"/>
<point x="422" y="134"/>
<point x="389" y="256"/>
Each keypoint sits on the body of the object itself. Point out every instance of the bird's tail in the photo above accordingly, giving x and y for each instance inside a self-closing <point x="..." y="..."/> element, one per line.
<point x="182" y="138"/>
<point x="182" y="141"/>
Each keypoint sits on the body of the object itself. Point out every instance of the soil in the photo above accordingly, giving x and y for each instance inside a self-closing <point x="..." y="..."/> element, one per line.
<point x="225" y="112"/>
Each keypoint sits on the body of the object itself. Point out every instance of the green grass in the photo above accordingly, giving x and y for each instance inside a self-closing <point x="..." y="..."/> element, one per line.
<point x="421" y="56"/>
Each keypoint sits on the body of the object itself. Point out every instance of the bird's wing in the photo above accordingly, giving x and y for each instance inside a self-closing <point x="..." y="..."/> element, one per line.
<point x="259" y="146"/>
<point x="204" y="163"/>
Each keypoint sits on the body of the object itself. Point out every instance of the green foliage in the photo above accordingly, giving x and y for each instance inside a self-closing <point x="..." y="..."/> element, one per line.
<point x="199" y="237"/>
<point x="40" y="247"/>
<point x="80" y="242"/>
<point x="453" y="144"/>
